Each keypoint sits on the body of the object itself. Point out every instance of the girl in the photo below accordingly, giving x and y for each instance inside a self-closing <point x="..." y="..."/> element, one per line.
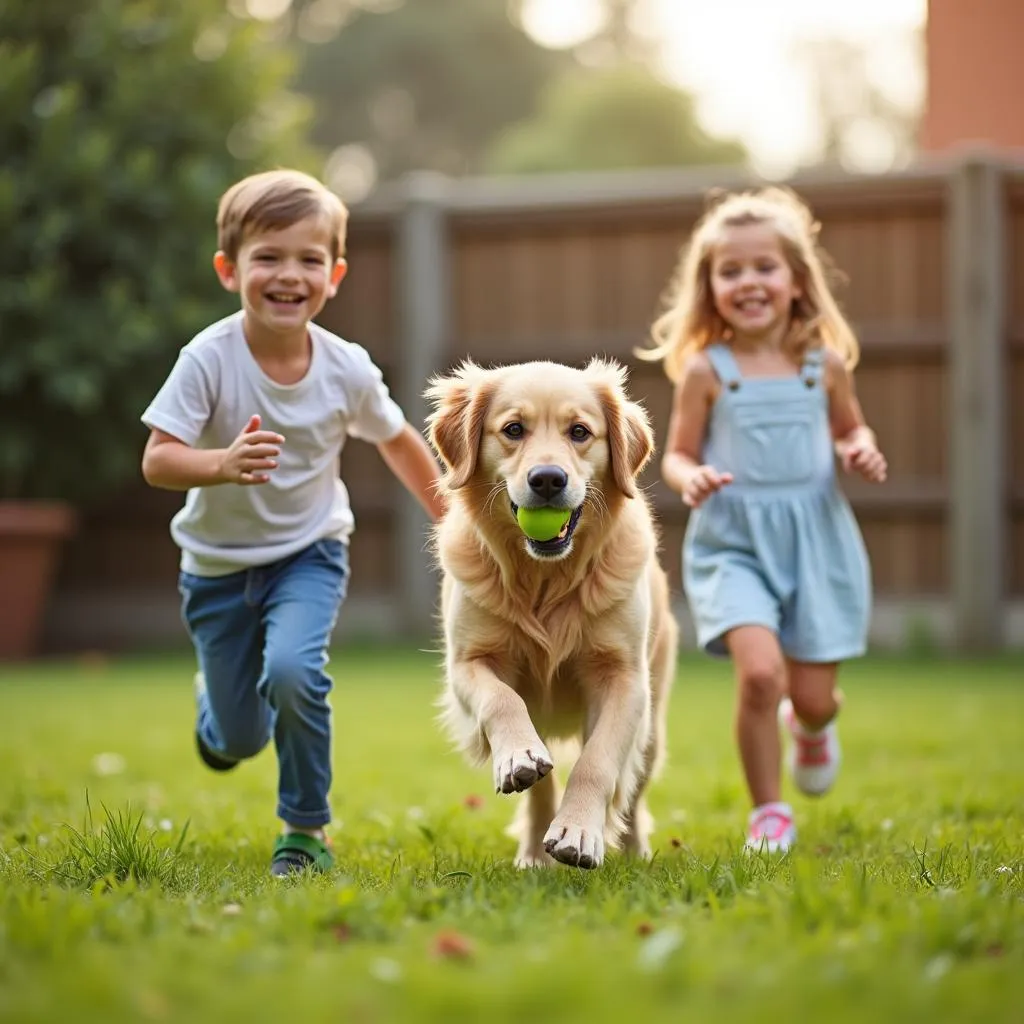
<point x="774" y="567"/>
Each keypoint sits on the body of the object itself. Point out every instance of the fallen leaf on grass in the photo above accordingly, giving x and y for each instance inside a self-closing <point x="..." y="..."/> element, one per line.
<point x="657" y="948"/>
<point x="452" y="946"/>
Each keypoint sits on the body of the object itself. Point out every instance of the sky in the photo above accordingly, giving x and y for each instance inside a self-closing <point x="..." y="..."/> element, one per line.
<point x="738" y="58"/>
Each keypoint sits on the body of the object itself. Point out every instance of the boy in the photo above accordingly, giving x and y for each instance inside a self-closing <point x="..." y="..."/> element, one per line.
<point x="250" y="422"/>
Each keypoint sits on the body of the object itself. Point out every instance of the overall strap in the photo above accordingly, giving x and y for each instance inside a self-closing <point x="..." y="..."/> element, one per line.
<point x="723" y="362"/>
<point x="813" y="369"/>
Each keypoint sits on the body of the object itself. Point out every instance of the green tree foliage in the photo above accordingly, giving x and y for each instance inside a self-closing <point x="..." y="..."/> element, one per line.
<point x="424" y="84"/>
<point x="609" y="118"/>
<point x="121" y="122"/>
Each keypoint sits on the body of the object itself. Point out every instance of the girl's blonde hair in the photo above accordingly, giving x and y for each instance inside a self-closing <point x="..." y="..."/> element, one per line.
<point x="690" y="322"/>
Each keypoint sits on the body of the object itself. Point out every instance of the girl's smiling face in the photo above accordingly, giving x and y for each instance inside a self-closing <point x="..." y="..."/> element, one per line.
<point x="752" y="284"/>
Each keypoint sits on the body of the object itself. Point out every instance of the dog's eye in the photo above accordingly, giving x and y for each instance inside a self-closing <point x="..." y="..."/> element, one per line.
<point x="578" y="432"/>
<point x="513" y="430"/>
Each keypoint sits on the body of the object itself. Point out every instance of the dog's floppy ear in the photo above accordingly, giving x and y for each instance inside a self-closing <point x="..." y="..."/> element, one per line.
<point x="456" y="425"/>
<point x="630" y="440"/>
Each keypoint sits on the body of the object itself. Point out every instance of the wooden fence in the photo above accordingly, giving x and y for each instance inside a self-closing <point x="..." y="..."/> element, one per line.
<point x="567" y="267"/>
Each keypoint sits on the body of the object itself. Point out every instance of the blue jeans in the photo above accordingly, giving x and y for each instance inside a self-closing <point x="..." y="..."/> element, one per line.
<point x="261" y="639"/>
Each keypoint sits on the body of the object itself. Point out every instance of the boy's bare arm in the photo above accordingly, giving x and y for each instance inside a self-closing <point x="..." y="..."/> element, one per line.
<point x="413" y="463"/>
<point x="171" y="464"/>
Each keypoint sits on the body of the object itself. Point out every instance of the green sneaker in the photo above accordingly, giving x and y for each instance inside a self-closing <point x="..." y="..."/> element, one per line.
<point x="298" y="852"/>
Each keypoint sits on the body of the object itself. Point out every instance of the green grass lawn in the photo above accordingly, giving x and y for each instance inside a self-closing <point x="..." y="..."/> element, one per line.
<point x="904" y="901"/>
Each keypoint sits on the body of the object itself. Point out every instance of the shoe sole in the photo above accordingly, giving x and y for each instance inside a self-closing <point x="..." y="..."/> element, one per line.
<point x="211" y="760"/>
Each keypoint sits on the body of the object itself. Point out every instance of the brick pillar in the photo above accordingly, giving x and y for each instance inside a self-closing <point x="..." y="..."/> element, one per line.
<point x="975" y="74"/>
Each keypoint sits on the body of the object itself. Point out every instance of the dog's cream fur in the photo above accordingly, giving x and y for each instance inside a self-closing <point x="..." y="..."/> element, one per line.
<point x="581" y="645"/>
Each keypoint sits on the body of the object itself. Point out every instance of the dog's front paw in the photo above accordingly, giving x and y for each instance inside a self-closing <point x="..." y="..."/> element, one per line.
<point x="519" y="769"/>
<point x="573" y="845"/>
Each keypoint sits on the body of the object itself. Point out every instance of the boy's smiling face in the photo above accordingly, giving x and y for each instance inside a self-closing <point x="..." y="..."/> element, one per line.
<point x="284" y="276"/>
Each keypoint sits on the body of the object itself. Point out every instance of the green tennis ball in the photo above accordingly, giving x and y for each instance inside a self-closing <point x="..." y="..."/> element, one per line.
<point x="542" y="523"/>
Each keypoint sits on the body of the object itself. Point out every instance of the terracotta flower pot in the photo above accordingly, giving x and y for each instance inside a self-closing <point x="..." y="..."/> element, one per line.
<point x="32" y="535"/>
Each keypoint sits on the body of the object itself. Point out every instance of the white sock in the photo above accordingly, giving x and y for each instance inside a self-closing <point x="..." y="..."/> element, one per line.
<point x="316" y="833"/>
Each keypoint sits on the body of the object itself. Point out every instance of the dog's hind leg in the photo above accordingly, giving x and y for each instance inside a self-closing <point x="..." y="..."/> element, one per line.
<point x="637" y="821"/>
<point x="532" y="818"/>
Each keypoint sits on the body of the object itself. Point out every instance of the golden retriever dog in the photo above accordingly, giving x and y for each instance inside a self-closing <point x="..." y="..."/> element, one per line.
<point x="568" y="638"/>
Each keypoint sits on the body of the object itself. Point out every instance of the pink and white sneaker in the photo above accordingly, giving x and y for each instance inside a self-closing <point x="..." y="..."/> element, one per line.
<point x="770" y="828"/>
<point x="813" y="756"/>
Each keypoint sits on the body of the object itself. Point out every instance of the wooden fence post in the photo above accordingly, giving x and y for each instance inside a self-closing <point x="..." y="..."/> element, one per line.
<point x="978" y="522"/>
<point x="422" y="295"/>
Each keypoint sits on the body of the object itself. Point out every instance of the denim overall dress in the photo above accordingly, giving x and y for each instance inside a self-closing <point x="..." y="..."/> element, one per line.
<point x="779" y="546"/>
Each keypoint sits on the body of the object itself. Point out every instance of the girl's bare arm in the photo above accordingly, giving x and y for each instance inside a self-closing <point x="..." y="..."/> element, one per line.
<point x="681" y="466"/>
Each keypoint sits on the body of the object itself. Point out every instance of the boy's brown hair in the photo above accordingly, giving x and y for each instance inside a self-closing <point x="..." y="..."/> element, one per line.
<point x="273" y="200"/>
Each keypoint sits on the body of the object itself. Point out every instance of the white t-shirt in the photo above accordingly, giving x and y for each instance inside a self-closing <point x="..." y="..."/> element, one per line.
<point x="215" y="386"/>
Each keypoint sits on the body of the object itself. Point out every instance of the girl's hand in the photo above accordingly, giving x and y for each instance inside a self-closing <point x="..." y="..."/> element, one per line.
<point x="854" y="440"/>
<point x="864" y="458"/>
<point x="702" y="483"/>
<point x="251" y="454"/>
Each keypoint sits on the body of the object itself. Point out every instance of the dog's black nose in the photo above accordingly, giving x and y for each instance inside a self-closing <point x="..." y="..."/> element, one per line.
<point x="547" y="481"/>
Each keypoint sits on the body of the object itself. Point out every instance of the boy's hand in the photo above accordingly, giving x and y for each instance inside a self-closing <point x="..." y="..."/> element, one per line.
<point x="702" y="483"/>
<point x="864" y="458"/>
<point x="251" y="454"/>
